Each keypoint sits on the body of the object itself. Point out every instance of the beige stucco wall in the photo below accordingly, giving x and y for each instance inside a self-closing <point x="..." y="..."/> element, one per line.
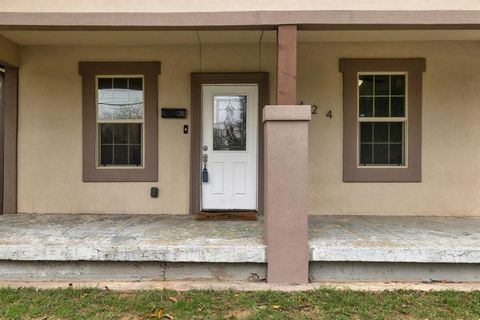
<point x="228" y="5"/>
<point x="451" y="134"/>
<point x="50" y="126"/>
<point x="9" y="52"/>
<point x="49" y="173"/>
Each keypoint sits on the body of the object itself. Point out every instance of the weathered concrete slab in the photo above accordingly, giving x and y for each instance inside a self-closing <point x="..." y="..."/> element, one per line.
<point x="172" y="238"/>
<point x="179" y="238"/>
<point x="129" y="271"/>
<point x="394" y="271"/>
<point x="395" y="239"/>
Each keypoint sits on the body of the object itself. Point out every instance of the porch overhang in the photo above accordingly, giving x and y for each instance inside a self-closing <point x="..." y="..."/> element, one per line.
<point x="246" y="20"/>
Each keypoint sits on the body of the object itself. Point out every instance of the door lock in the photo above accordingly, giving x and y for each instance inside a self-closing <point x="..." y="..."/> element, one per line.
<point x="205" y="171"/>
<point x="205" y="148"/>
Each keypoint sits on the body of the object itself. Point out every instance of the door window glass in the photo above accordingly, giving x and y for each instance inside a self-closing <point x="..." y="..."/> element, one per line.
<point x="230" y="123"/>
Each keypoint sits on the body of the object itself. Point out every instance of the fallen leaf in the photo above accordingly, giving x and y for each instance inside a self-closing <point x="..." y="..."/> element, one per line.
<point x="276" y="306"/>
<point x="157" y="313"/>
<point x="173" y="299"/>
<point x="168" y="317"/>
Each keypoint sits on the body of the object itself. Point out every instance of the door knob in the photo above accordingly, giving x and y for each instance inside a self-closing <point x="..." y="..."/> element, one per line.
<point x="205" y="158"/>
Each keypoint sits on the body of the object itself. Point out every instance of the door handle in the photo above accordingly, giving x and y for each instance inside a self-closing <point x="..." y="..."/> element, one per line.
<point x="205" y="171"/>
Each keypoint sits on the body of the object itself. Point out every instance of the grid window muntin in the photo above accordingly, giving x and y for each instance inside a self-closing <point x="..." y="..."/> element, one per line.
<point x="99" y="122"/>
<point x="403" y="119"/>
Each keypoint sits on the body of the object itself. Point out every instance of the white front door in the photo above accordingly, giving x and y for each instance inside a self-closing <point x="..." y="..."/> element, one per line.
<point x="230" y="127"/>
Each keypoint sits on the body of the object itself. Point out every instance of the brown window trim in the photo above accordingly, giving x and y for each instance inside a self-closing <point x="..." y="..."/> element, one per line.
<point x="350" y="68"/>
<point x="150" y="71"/>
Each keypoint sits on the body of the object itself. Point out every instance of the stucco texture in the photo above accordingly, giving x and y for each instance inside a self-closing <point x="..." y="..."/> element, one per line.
<point x="49" y="154"/>
<point x="50" y="126"/>
<point x="451" y="111"/>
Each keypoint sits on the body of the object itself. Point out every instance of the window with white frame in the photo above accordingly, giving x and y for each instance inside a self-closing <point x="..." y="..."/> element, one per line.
<point x="120" y="121"/>
<point x="383" y="119"/>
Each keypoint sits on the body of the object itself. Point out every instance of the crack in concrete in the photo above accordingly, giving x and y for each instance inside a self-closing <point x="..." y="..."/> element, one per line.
<point x="386" y="230"/>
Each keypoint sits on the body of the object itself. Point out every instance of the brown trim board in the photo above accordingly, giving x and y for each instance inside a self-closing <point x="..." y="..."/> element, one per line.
<point x="287" y="65"/>
<point x="197" y="80"/>
<point x="150" y="71"/>
<point x="350" y="68"/>
<point x="266" y="20"/>
<point x="10" y="116"/>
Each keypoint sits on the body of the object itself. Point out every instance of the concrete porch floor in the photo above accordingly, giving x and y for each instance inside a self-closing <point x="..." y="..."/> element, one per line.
<point x="179" y="238"/>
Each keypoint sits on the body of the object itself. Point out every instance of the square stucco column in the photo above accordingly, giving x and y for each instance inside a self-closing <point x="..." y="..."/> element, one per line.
<point x="286" y="187"/>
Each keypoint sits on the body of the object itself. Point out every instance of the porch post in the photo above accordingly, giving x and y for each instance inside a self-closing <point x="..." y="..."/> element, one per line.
<point x="287" y="65"/>
<point x="10" y="140"/>
<point x="286" y="171"/>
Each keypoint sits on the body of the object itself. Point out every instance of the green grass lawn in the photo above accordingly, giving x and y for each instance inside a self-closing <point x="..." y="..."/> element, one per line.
<point x="319" y="304"/>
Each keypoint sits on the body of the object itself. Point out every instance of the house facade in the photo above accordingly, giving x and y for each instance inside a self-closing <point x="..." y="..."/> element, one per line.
<point x="288" y="109"/>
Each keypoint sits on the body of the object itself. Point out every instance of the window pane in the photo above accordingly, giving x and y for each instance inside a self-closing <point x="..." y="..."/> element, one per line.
<point x="366" y="107"/>
<point x="105" y="83"/>
<point x="135" y="155"/>
<point x="380" y="132"/>
<point x="365" y="84"/>
<point x="229" y="123"/>
<point x="382" y="143"/>
<point x="120" y="133"/>
<point x="135" y="133"/>
<point x="120" y="83"/>
<point x="106" y="133"/>
<point x="135" y="83"/>
<point x="396" y="132"/>
<point x="120" y="98"/>
<point x="382" y="84"/>
<point x="106" y="155"/>
<point x="366" y="132"/>
<point x="120" y="155"/>
<point x="120" y="144"/>
<point x="398" y="107"/>
<point x="380" y="153"/>
<point x="381" y="106"/>
<point x="398" y="84"/>
<point x="366" y="154"/>
<point x="396" y="156"/>
<point x="386" y="147"/>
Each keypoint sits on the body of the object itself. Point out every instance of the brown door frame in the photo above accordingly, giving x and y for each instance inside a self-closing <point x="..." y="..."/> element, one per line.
<point x="197" y="80"/>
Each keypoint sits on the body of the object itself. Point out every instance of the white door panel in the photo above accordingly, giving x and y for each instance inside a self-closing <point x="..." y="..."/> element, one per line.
<point x="230" y="127"/>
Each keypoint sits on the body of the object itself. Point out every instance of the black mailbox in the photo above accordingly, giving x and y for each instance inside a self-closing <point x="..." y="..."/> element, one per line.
<point x="174" y="113"/>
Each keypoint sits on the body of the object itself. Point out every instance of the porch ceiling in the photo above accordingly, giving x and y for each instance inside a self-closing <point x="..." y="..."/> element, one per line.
<point x="159" y="37"/>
